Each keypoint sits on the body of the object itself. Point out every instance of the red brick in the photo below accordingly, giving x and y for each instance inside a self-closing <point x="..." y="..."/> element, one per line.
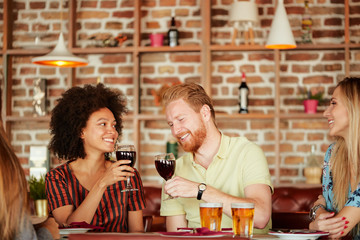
<point x="123" y="14"/>
<point x="37" y="5"/>
<point x="318" y="79"/>
<point x="295" y="136"/>
<point x="167" y="3"/>
<point x="227" y="57"/>
<point x="300" y="68"/>
<point x="91" y="14"/>
<point x="301" y="56"/>
<point x="290" y="160"/>
<point x="161" y="13"/>
<point x="152" y="25"/>
<point x="183" y="12"/>
<point x="186" y="69"/>
<point x="108" y="4"/>
<point x="146" y="69"/>
<point x="261" y="56"/>
<point x="118" y="80"/>
<point x="193" y="24"/>
<point x="166" y="69"/>
<point x="106" y="70"/>
<point x="188" y="3"/>
<point x="184" y="58"/>
<point x="226" y="69"/>
<point x="340" y="56"/>
<point x="262" y="91"/>
<point x="327" y="67"/>
<point x="113" y="59"/>
<point x="114" y="25"/>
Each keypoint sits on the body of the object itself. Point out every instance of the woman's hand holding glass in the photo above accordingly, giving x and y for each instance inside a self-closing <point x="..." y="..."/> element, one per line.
<point x="117" y="171"/>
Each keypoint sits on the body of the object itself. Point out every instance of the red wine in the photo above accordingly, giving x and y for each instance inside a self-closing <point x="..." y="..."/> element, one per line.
<point x="165" y="168"/>
<point x="126" y="155"/>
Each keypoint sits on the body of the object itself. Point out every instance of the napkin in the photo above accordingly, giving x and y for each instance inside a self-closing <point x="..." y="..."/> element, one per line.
<point x="198" y="232"/>
<point x="79" y="225"/>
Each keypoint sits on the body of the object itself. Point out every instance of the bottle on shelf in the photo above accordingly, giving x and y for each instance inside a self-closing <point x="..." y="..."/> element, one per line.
<point x="173" y="34"/>
<point x="306" y="24"/>
<point x="172" y="146"/>
<point x="313" y="170"/>
<point x="243" y="95"/>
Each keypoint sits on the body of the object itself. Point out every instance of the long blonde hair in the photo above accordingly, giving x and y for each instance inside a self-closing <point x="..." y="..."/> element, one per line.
<point x="13" y="190"/>
<point x="345" y="158"/>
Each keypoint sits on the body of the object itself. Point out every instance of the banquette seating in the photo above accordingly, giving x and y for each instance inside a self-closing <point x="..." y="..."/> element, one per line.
<point x="290" y="207"/>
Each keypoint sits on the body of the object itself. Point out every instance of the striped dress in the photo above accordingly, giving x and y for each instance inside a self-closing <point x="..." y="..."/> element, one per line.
<point x="63" y="188"/>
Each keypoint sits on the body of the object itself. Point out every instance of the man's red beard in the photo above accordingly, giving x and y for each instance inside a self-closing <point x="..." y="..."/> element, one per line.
<point x="196" y="139"/>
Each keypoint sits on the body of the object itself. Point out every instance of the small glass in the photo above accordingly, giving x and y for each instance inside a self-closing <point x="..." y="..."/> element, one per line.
<point x="127" y="152"/>
<point x="243" y="219"/>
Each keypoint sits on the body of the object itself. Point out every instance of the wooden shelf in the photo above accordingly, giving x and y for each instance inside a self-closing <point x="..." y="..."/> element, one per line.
<point x="239" y="48"/>
<point x="194" y="48"/>
<point x="244" y="116"/>
<point x="301" y="116"/>
<point x="28" y="119"/>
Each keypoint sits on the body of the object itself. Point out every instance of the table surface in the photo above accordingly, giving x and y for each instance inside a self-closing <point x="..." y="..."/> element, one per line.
<point x="132" y="236"/>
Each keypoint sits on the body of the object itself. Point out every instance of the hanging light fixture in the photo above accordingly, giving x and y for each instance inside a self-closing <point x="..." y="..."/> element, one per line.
<point x="60" y="56"/>
<point x="280" y="36"/>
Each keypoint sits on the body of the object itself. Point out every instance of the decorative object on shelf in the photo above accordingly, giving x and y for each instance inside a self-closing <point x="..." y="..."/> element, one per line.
<point x="60" y="56"/>
<point x="39" y="161"/>
<point x="173" y="34"/>
<point x="114" y="41"/>
<point x="311" y="98"/>
<point x="280" y="36"/>
<point x="246" y="14"/>
<point x="39" y="97"/>
<point x="37" y="193"/>
<point x="243" y="95"/>
<point x="306" y="24"/>
<point x="156" y="39"/>
<point x="313" y="170"/>
<point x="107" y="40"/>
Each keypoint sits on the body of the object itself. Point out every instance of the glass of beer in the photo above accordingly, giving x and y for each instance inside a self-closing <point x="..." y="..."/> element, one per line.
<point x="243" y="219"/>
<point x="210" y="215"/>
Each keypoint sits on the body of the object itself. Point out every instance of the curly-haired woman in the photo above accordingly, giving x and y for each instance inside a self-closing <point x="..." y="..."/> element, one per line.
<point x="85" y="125"/>
<point x="337" y="210"/>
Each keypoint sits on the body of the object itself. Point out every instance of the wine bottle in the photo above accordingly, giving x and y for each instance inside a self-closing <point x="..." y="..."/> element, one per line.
<point x="243" y="95"/>
<point x="306" y="24"/>
<point x="173" y="34"/>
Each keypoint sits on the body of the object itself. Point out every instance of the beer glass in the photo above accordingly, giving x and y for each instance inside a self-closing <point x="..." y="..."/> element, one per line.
<point x="210" y="215"/>
<point x="243" y="219"/>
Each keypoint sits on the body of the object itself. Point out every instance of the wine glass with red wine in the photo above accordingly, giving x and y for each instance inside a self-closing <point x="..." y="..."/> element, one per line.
<point x="165" y="165"/>
<point x="127" y="152"/>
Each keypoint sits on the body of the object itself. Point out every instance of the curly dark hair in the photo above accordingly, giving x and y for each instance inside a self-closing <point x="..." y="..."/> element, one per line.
<point x="72" y="112"/>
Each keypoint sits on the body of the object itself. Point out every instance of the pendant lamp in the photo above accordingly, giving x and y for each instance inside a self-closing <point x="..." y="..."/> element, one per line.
<point x="60" y="56"/>
<point x="246" y="14"/>
<point x="280" y="36"/>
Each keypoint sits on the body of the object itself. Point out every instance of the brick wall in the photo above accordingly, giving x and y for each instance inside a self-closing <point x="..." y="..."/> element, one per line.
<point x="102" y="19"/>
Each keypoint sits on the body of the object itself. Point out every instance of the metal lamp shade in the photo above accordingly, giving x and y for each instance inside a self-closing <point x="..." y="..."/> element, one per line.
<point x="280" y="36"/>
<point x="60" y="57"/>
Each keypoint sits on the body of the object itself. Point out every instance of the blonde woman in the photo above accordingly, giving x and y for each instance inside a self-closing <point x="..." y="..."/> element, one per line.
<point x="338" y="209"/>
<point x="14" y="208"/>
